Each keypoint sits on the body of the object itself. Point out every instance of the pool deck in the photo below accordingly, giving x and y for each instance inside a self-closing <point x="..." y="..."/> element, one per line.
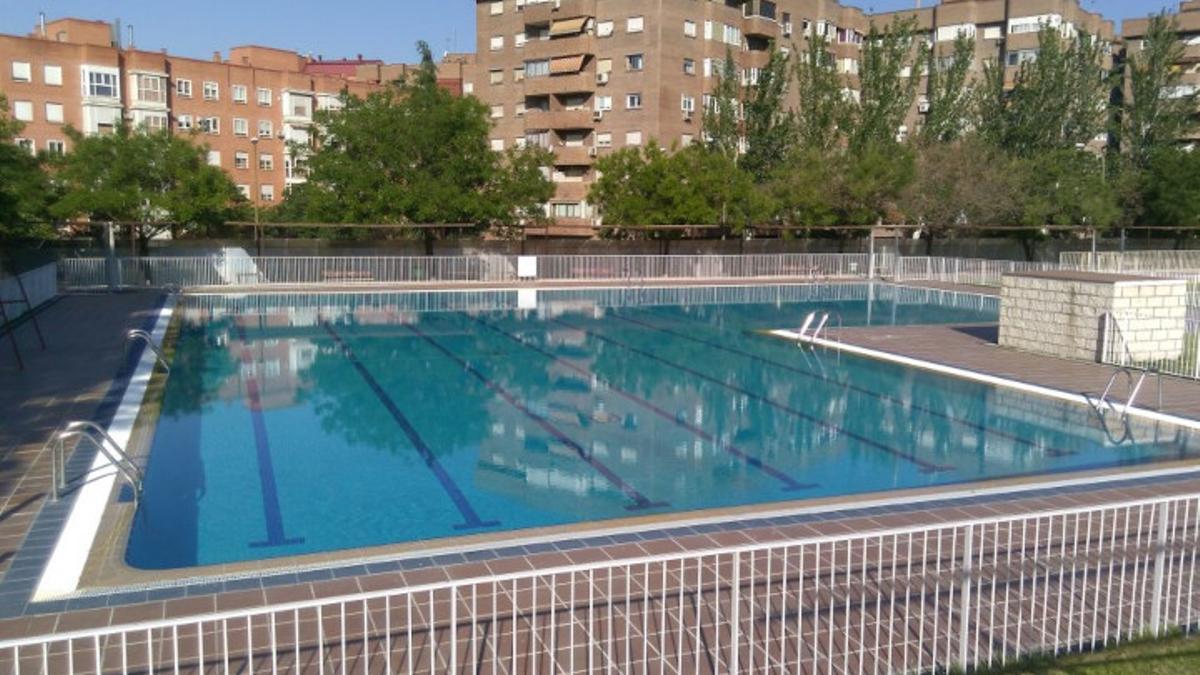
<point x="74" y="378"/>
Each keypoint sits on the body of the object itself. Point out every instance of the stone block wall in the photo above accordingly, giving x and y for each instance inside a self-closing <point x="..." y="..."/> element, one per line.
<point x="1062" y="314"/>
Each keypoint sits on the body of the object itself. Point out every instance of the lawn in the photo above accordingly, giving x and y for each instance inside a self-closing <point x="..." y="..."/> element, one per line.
<point x="1170" y="656"/>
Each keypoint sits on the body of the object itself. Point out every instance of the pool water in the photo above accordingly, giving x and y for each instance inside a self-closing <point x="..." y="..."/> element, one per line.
<point x="297" y="424"/>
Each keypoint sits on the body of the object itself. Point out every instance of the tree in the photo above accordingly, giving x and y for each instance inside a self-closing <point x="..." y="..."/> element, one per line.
<point x="414" y="153"/>
<point x="24" y="187"/>
<point x="959" y="185"/>
<point x="770" y="127"/>
<point x="950" y="92"/>
<point x="886" y="94"/>
<point x="1066" y="187"/>
<point x="1171" y="190"/>
<point x="691" y="186"/>
<point x="153" y="178"/>
<point x="723" y="113"/>
<point x="1158" y="110"/>
<point x="821" y="101"/>
<point x="1058" y="99"/>
<point x="872" y="181"/>
<point x="801" y="192"/>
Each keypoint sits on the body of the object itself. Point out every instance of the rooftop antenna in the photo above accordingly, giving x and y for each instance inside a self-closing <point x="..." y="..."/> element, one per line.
<point x="130" y="29"/>
<point x="42" y="23"/>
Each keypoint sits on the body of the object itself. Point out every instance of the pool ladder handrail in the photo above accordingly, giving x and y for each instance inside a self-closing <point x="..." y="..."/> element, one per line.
<point x="1134" y="388"/>
<point x="822" y="321"/>
<point x="104" y="442"/>
<point x="135" y="335"/>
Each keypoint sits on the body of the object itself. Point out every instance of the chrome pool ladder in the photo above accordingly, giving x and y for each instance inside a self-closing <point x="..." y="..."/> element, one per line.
<point x="108" y="447"/>
<point x="136" y="335"/>
<point x="1135" y="379"/>
<point x="816" y="322"/>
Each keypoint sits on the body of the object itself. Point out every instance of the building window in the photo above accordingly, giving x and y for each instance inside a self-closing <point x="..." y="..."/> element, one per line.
<point x="537" y="68"/>
<point x="496" y="76"/>
<point x="244" y="190"/>
<point x="265" y="129"/>
<point x="241" y="126"/>
<point x="635" y="62"/>
<point x="22" y="71"/>
<point x="238" y="92"/>
<point x="604" y="140"/>
<point x="497" y="43"/>
<point x="54" y="112"/>
<point x="151" y="89"/>
<point x="497" y="144"/>
<point x="688" y="104"/>
<point x="154" y="122"/>
<point x="604" y="28"/>
<point x="52" y="75"/>
<point x="183" y="88"/>
<point x="633" y="101"/>
<point x="102" y="84"/>
<point x="266" y="161"/>
<point x="214" y="158"/>
<point x="689" y="66"/>
<point x="241" y="160"/>
<point x="686" y="140"/>
<point x="468" y="88"/>
<point x="263" y="96"/>
<point x="212" y="91"/>
<point x="497" y="111"/>
<point x="183" y="122"/>
<point x="56" y="147"/>
<point x="633" y="138"/>
<point x="568" y="210"/>
<point x="266" y="193"/>
<point x="519" y="39"/>
<point x="23" y="111"/>
<point x="497" y="7"/>
<point x="210" y="125"/>
<point x="603" y="103"/>
<point x="689" y="28"/>
<point x="27" y="145"/>
<point x="635" y="24"/>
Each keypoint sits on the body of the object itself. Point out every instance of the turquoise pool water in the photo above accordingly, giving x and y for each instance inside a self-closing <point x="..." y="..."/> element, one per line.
<point x="306" y="423"/>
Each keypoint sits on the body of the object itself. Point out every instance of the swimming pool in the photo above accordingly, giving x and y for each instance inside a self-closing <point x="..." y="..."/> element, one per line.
<point x="295" y="424"/>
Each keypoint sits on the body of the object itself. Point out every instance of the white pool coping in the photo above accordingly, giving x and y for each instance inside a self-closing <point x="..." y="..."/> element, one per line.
<point x="976" y="376"/>
<point x="65" y="567"/>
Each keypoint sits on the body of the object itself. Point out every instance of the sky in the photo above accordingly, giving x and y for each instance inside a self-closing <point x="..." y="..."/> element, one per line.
<point x="384" y="29"/>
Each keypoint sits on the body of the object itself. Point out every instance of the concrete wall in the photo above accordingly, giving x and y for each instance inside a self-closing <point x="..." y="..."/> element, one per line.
<point x="1062" y="314"/>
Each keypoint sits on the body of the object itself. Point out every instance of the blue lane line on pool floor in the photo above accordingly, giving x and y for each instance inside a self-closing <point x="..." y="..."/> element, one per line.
<point x="1053" y="452"/>
<point x="272" y="513"/>
<point x="471" y="519"/>
<point x="640" y="501"/>
<point x="923" y="465"/>
<point x="789" y="483"/>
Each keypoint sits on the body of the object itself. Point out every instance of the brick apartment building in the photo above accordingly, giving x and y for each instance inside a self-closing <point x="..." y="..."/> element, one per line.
<point x="1187" y="19"/>
<point x="583" y="77"/>
<point x="247" y="108"/>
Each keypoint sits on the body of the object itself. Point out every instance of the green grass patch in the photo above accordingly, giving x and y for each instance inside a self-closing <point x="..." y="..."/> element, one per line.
<point x="1167" y="656"/>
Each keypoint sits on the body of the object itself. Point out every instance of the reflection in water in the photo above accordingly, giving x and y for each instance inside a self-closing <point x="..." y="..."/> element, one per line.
<point x="368" y="419"/>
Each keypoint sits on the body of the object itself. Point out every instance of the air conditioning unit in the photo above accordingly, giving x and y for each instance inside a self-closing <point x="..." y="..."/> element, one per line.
<point x="593" y="151"/>
<point x="601" y="78"/>
<point x="923" y="107"/>
<point x="598" y="115"/>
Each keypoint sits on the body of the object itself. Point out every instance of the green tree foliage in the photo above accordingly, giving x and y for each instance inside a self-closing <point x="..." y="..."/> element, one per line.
<point x="770" y="124"/>
<point x="723" y="114"/>
<point x="1066" y="187"/>
<point x="885" y="94"/>
<point x="951" y="94"/>
<point x="819" y="90"/>
<point x="157" y="179"/>
<point x="25" y="191"/>
<point x="414" y="153"/>
<point x="1171" y="188"/>
<point x="1058" y="100"/>
<point x="651" y="186"/>
<point x="1156" y="112"/>
<point x="842" y="188"/>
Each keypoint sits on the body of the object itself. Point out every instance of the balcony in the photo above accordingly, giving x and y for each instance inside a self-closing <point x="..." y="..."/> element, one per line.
<point x="572" y="191"/>
<point x="559" y="119"/>
<point x="574" y="155"/>
<point x="563" y="46"/>
<point x="760" y="26"/>
<point x="560" y="84"/>
<point x="544" y="12"/>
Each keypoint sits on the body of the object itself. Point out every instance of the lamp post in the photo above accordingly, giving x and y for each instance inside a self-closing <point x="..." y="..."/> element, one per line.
<point x="258" y="244"/>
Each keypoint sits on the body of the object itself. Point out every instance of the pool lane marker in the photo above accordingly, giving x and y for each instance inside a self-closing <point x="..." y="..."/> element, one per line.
<point x="471" y="519"/>
<point x="924" y="466"/>
<point x="1053" y="452"/>
<point x="640" y="501"/>
<point x="272" y="513"/>
<point x="790" y="484"/>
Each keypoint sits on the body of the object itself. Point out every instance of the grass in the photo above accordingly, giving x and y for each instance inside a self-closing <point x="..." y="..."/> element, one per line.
<point x="1168" y="656"/>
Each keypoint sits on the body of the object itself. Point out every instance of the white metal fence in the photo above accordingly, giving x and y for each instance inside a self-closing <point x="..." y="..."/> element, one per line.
<point x="908" y="600"/>
<point x="970" y="271"/>
<point x="1156" y="263"/>
<point x="1171" y="348"/>
<point x="41" y="284"/>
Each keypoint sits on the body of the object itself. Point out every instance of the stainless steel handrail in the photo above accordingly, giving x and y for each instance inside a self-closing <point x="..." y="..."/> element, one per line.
<point x="104" y="442"/>
<point x="142" y="335"/>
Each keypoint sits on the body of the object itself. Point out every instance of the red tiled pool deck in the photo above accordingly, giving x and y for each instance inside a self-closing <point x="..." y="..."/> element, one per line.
<point x="85" y="334"/>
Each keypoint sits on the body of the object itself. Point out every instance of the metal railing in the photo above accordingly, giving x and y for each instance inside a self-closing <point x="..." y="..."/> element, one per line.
<point x="1168" y="346"/>
<point x="1155" y="263"/>
<point x="108" y="447"/>
<point x="967" y="271"/>
<point x="951" y="596"/>
<point x="647" y="267"/>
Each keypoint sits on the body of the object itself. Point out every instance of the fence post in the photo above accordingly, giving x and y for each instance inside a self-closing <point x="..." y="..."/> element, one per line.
<point x="965" y="596"/>
<point x="735" y="596"/>
<point x="111" y="264"/>
<point x="1160" y="559"/>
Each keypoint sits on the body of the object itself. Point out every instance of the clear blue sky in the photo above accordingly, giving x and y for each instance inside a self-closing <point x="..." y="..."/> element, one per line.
<point x="386" y="29"/>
